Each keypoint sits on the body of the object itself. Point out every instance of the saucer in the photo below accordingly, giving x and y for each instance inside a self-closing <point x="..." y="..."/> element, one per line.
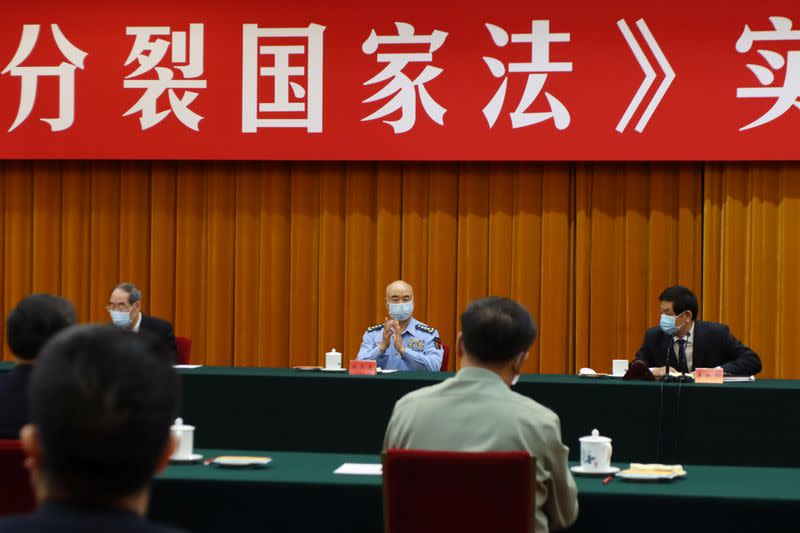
<point x="606" y="471"/>
<point x="189" y="459"/>
<point x="323" y="369"/>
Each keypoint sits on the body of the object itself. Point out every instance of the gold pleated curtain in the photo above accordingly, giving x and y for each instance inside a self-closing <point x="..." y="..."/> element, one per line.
<point x="273" y="264"/>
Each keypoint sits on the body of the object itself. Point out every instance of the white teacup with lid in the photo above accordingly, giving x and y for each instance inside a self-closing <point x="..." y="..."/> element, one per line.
<point x="333" y="360"/>
<point x="184" y="435"/>
<point x="595" y="452"/>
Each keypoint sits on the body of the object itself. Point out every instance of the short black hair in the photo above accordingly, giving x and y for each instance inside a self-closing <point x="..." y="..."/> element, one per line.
<point x="134" y="294"/>
<point x="34" y="320"/>
<point x="682" y="300"/>
<point x="497" y="329"/>
<point x="103" y="400"/>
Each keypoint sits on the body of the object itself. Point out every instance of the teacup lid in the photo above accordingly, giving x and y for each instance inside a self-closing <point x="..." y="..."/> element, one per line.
<point x="180" y="426"/>
<point x="333" y="352"/>
<point x="595" y="437"/>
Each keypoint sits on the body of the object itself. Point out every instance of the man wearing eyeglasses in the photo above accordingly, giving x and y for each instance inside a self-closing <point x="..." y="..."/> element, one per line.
<point x="402" y="342"/>
<point x="125" y="308"/>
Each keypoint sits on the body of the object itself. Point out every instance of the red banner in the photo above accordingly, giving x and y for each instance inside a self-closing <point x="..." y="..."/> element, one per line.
<point x="421" y="80"/>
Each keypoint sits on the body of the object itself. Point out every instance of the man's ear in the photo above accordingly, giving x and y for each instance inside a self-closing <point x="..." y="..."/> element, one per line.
<point x="29" y="438"/>
<point x="459" y="346"/>
<point x="169" y="449"/>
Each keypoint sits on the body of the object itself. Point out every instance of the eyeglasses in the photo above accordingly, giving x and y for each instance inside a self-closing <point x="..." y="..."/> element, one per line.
<point x="119" y="307"/>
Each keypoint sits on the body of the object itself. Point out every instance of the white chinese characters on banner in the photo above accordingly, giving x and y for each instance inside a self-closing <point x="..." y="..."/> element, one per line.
<point x="290" y="97"/>
<point x="537" y="69"/>
<point x="785" y="96"/>
<point x="401" y="86"/>
<point x="30" y="75"/>
<point x="149" y="49"/>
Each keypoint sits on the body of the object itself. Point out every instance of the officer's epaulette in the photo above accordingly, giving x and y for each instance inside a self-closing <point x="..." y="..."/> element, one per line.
<point x="376" y="327"/>
<point x="424" y="327"/>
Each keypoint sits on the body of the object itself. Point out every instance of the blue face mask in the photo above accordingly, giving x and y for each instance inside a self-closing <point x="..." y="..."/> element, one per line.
<point x="401" y="311"/>
<point x="121" y="319"/>
<point x="668" y="325"/>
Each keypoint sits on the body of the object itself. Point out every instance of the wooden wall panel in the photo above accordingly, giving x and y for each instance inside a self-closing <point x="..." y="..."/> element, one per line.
<point x="272" y="264"/>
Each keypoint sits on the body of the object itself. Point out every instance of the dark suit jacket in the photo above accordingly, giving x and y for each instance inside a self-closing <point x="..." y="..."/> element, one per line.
<point x="713" y="345"/>
<point x="162" y="330"/>
<point x="14" y="401"/>
<point x="64" y="518"/>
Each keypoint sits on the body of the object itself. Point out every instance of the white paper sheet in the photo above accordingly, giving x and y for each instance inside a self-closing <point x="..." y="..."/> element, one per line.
<point x="360" y="469"/>
<point x="186" y="366"/>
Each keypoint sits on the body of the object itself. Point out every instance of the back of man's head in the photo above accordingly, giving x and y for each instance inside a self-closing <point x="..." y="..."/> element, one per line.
<point x="496" y="329"/>
<point x="34" y="320"/>
<point x="102" y="402"/>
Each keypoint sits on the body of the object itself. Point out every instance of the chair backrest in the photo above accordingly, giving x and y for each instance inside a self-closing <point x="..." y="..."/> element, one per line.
<point x="183" y="345"/>
<point x="16" y="494"/>
<point x="445" y="358"/>
<point x="435" y="491"/>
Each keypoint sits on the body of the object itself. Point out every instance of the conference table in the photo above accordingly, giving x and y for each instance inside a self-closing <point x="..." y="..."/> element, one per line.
<point x="733" y="424"/>
<point x="306" y="411"/>
<point x="299" y="492"/>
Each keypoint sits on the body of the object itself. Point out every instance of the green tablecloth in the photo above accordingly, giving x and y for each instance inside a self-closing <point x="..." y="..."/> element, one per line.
<point x="299" y="492"/>
<point x="284" y="409"/>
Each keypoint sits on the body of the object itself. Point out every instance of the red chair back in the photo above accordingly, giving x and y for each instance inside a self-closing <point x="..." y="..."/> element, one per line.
<point x="435" y="491"/>
<point x="16" y="494"/>
<point x="183" y="345"/>
<point x="445" y="358"/>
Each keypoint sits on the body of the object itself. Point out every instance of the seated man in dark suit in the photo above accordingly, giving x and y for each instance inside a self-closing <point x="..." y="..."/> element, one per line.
<point x="125" y="308"/>
<point x="691" y="343"/>
<point x="29" y="325"/>
<point x="102" y="403"/>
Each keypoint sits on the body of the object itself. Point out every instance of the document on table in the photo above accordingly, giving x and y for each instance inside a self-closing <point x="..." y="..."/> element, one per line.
<point x="186" y="366"/>
<point x="738" y="379"/>
<point x="360" y="469"/>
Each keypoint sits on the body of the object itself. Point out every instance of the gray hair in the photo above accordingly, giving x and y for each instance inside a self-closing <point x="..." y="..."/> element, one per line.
<point x="134" y="294"/>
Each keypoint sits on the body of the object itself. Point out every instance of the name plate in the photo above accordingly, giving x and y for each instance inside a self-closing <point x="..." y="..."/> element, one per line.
<point x="363" y="368"/>
<point x="708" y="375"/>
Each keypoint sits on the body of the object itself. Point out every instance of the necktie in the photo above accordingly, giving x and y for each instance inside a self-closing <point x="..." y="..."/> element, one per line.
<point x="682" y="355"/>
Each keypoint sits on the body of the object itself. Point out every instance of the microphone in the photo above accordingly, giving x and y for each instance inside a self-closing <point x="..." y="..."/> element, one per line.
<point x="666" y="377"/>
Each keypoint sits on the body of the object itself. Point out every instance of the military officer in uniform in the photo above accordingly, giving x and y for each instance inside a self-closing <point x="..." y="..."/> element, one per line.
<point x="402" y="342"/>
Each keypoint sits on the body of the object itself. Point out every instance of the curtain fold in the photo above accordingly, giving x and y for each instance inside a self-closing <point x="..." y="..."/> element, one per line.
<point x="273" y="264"/>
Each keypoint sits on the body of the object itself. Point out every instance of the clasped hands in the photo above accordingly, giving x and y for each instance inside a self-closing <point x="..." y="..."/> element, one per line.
<point x="391" y="328"/>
